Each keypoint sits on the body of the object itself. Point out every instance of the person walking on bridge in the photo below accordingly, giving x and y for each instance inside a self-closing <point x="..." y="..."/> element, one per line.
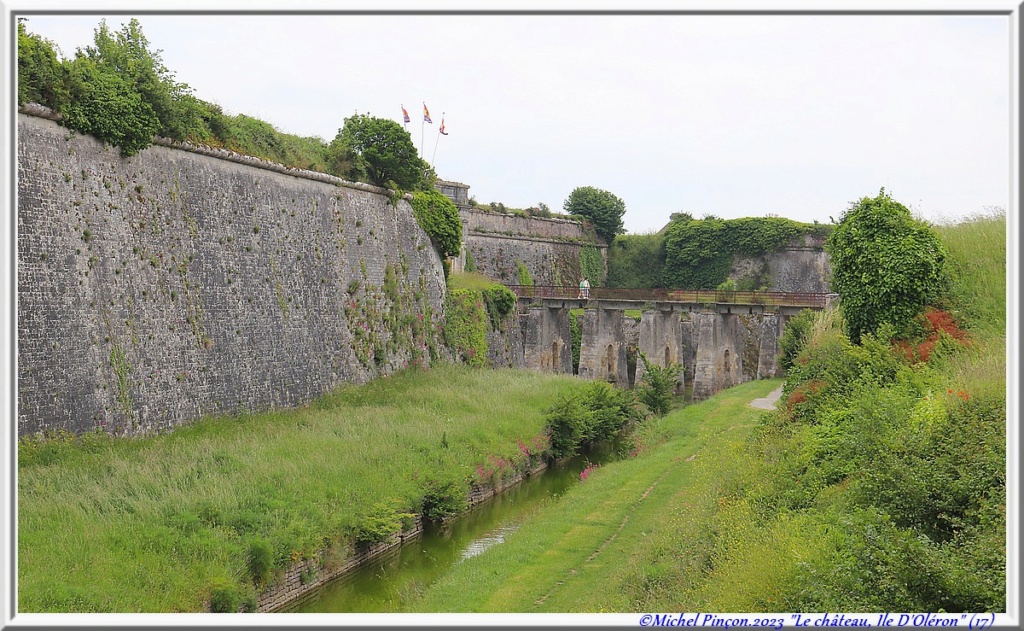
<point x="584" y="289"/>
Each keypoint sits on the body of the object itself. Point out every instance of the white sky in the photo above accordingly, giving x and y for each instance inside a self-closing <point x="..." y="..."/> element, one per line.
<point x="733" y="115"/>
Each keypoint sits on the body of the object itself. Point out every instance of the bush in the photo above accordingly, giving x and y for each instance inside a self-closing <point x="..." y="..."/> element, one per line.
<point x="439" y="218"/>
<point x="886" y="265"/>
<point x="380" y="524"/>
<point x="443" y="498"/>
<point x="794" y="337"/>
<point x="658" y="385"/>
<point x="601" y="208"/>
<point x="499" y="301"/>
<point x="591" y="414"/>
<point x="636" y="260"/>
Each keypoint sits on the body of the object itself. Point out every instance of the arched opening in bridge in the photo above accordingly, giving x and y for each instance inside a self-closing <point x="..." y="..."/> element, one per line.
<point x="609" y="362"/>
<point x="725" y="362"/>
<point x="554" y="356"/>
<point x="668" y="360"/>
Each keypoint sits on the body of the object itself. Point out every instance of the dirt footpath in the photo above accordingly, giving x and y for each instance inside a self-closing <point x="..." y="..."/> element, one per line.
<point x="768" y="402"/>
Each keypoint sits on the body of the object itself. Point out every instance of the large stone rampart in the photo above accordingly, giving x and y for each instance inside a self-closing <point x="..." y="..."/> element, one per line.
<point x="549" y="249"/>
<point x="173" y="284"/>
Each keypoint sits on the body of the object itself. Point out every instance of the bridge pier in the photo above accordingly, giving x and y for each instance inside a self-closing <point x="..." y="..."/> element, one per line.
<point x="661" y="341"/>
<point x="768" y="350"/>
<point x="547" y="340"/>
<point x="719" y="356"/>
<point x="603" y="347"/>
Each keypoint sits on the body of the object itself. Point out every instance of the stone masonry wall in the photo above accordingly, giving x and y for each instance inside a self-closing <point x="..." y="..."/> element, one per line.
<point x="170" y="285"/>
<point x="548" y="248"/>
<point x="801" y="266"/>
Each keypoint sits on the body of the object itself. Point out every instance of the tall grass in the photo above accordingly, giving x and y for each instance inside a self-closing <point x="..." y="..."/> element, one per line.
<point x="150" y="524"/>
<point x="977" y="264"/>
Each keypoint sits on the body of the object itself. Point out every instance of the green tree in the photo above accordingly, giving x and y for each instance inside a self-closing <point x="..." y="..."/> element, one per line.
<point x="41" y="78"/>
<point x="601" y="208"/>
<point x="127" y="54"/>
<point x="383" y="151"/>
<point x="886" y="265"/>
<point x="106" y="105"/>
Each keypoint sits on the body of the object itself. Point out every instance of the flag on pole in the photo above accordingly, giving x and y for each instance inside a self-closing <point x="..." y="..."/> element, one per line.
<point x="405" y="115"/>
<point x="426" y="114"/>
<point x="442" y="127"/>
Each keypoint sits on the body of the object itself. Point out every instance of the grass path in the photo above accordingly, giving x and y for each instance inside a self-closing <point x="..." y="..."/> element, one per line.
<point x="599" y="547"/>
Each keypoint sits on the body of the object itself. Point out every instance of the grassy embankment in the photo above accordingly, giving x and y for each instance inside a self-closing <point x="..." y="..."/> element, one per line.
<point x="878" y="485"/>
<point x="581" y="555"/>
<point x="158" y="523"/>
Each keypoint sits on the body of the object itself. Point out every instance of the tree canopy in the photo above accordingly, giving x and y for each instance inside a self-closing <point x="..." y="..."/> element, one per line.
<point x="602" y="209"/>
<point x="886" y="265"/>
<point x="383" y="151"/>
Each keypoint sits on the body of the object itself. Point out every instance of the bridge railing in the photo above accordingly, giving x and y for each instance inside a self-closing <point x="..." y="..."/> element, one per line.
<point x="691" y="296"/>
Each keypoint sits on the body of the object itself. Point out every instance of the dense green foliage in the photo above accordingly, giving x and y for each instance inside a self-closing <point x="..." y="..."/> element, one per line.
<point x="498" y="300"/>
<point x="575" y="337"/>
<point x="384" y="152"/>
<point x="439" y="218"/>
<point x="794" y="337"/>
<point x="658" y="385"/>
<point x="636" y="260"/>
<point x="465" y="328"/>
<point x="592" y="265"/>
<point x="592" y="413"/>
<point x="602" y="209"/>
<point x="698" y="252"/>
<point x="40" y="75"/>
<point x="886" y="265"/>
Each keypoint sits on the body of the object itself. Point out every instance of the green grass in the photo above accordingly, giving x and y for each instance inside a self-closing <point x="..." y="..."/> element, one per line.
<point x="602" y="546"/>
<point x="977" y="262"/>
<point x="149" y="524"/>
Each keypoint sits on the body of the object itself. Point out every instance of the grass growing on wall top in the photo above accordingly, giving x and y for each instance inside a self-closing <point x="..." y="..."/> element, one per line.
<point x="151" y="524"/>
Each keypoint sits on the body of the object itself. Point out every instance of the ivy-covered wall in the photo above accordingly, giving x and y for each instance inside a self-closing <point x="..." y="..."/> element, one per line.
<point x="159" y="288"/>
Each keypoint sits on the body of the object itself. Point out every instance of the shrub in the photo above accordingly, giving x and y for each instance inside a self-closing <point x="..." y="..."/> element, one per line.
<point x="658" y="385"/>
<point x="523" y="274"/>
<point x="886" y="265"/>
<point x="379" y="524"/>
<point x="439" y="218"/>
<point x="225" y="597"/>
<point x="794" y="337"/>
<point x="596" y="412"/>
<point x="443" y="498"/>
<point x="499" y="301"/>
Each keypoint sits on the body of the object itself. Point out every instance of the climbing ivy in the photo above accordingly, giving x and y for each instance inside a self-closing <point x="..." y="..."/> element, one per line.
<point x="465" y="329"/>
<point x="591" y="265"/>
<point x="439" y="218"/>
<point x="699" y="252"/>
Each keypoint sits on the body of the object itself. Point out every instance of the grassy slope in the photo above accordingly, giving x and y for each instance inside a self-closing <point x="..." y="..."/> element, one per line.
<point x="601" y="544"/>
<point x="148" y="524"/>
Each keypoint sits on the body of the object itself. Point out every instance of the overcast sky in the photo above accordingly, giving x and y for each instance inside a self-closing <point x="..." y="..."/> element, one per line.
<point x="731" y="115"/>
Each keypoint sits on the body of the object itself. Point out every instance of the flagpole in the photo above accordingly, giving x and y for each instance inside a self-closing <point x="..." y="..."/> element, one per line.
<point x="436" y="141"/>
<point x="422" y="123"/>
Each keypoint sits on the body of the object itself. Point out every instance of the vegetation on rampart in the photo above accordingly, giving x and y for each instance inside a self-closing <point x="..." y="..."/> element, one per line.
<point x="697" y="253"/>
<point x="439" y="218"/>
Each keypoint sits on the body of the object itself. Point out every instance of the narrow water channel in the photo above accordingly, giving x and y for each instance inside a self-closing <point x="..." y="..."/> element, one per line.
<point x="390" y="581"/>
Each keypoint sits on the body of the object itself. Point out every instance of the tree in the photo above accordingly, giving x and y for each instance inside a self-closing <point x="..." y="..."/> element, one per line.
<point x="886" y="265"/>
<point x="383" y="151"/>
<point x="601" y="208"/>
<point x="41" y="78"/>
<point x="127" y="54"/>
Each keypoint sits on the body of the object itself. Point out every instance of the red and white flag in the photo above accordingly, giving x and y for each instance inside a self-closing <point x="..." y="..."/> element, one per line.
<point x="426" y="115"/>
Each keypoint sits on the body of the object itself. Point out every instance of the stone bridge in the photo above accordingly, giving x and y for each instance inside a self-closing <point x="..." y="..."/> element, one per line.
<point x="721" y="338"/>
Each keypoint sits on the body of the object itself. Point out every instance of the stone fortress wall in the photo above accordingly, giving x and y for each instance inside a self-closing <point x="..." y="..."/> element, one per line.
<point x="170" y="285"/>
